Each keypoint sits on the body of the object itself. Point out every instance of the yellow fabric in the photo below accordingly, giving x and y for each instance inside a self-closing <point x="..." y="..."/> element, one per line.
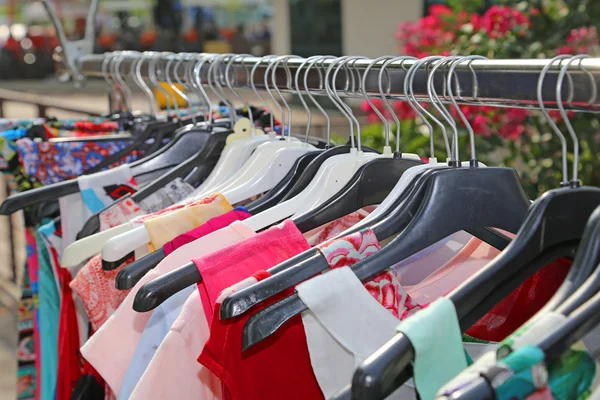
<point x="161" y="99"/>
<point x="165" y="228"/>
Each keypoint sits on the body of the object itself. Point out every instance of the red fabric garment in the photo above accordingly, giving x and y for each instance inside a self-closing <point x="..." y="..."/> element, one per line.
<point x="522" y="303"/>
<point x="69" y="362"/>
<point x="228" y="266"/>
<point x="277" y="368"/>
<point x="213" y="224"/>
<point x="90" y="386"/>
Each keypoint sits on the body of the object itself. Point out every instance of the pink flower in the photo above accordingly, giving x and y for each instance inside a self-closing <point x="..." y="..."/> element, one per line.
<point x="499" y="21"/>
<point x="580" y="40"/>
<point x="440" y="10"/>
<point x="481" y="126"/>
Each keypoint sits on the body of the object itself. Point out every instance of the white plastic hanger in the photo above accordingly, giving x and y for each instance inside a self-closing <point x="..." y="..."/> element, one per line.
<point x="128" y="240"/>
<point x="237" y="151"/>
<point x="267" y="169"/>
<point x="331" y="176"/>
<point x="85" y="248"/>
<point x="242" y="160"/>
<point x="119" y="246"/>
<point x="81" y="250"/>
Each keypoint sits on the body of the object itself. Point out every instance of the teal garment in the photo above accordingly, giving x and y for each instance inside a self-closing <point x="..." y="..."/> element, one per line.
<point x="524" y="372"/>
<point x="49" y="316"/>
<point x="439" y="354"/>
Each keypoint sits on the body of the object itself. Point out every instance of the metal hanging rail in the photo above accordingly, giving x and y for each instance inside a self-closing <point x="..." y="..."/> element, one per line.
<point x="508" y="83"/>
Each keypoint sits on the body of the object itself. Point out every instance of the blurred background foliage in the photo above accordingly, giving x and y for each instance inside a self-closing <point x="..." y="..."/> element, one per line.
<point x="517" y="138"/>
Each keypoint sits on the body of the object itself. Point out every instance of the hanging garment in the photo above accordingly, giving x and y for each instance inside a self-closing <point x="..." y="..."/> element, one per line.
<point x="165" y="228"/>
<point x="524" y="373"/>
<point x="69" y="362"/>
<point x="154" y="333"/>
<point x="532" y="332"/>
<point x="96" y="287"/>
<point x="119" y="213"/>
<point x="239" y="261"/>
<point x="49" y="310"/>
<point x="172" y="193"/>
<point x="96" y="191"/>
<point x="129" y="325"/>
<point x="212" y="225"/>
<point x="28" y="350"/>
<point x="436" y="338"/>
<point x="345" y="325"/>
<point x="53" y="162"/>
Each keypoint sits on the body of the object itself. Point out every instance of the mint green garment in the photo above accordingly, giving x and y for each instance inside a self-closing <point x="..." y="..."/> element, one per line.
<point x="439" y="354"/>
<point x="49" y="315"/>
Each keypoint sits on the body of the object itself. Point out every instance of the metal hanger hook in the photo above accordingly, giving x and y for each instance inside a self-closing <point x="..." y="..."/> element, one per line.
<point x="267" y="58"/>
<point x="197" y="78"/>
<point x="297" y="88"/>
<point x="320" y="59"/>
<point x="187" y="85"/>
<point x="409" y="90"/>
<point x="332" y="96"/>
<point x="288" y="75"/>
<point x="220" y="80"/>
<point x="462" y="116"/>
<point x="143" y="85"/>
<point x="154" y="59"/>
<point x="170" y="59"/>
<point x="574" y="182"/>
<point x="271" y="60"/>
<point x="563" y="140"/>
<point x="385" y="94"/>
<point x="438" y="105"/>
<point x="127" y="95"/>
<point x="236" y="94"/>
<point x="386" y="123"/>
<point x="343" y="107"/>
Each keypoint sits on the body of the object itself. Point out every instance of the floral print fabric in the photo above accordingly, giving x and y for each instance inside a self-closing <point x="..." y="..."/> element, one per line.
<point x="52" y="162"/>
<point x="524" y="375"/>
<point x="96" y="288"/>
<point x="385" y="287"/>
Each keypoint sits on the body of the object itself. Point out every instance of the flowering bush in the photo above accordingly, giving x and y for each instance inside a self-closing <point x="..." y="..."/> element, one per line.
<point x="518" y="138"/>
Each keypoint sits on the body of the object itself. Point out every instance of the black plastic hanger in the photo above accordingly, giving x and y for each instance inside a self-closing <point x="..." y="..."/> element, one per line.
<point x="132" y="273"/>
<point x="369" y="186"/>
<point x="553" y="228"/>
<point x="151" y="295"/>
<point x="154" y="293"/>
<point x="500" y="186"/>
<point x="583" y="314"/>
<point x="488" y="199"/>
<point x="188" y="142"/>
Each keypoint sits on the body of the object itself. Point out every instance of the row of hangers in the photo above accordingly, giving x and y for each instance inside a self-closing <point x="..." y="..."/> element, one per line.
<point x="422" y="203"/>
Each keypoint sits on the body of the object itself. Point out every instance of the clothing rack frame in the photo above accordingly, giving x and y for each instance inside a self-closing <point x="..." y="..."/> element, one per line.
<point x="504" y="83"/>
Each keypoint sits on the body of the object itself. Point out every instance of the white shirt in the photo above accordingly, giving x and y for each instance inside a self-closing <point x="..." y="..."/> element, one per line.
<point x="344" y="325"/>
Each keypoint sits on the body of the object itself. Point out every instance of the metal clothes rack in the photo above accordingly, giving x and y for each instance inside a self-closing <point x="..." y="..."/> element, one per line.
<point x="508" y="83"/>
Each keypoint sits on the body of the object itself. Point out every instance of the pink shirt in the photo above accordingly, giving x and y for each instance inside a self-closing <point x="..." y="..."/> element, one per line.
<point x="186" y="338"/>
<point x="213" y="224"/>
<point x="232" y="264"/>
<point x="120" y="335"/>
<point x="220" y="270"/>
